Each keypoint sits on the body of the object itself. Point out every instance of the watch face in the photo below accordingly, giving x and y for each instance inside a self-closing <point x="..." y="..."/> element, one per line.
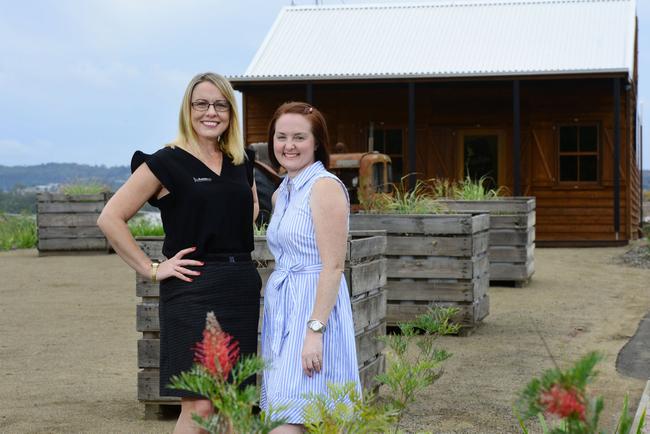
<point x="316" y="326"/>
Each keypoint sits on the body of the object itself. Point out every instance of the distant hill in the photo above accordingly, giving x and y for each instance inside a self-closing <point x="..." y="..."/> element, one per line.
<point x="12" y="177"/>
<point x="646" y="179"/>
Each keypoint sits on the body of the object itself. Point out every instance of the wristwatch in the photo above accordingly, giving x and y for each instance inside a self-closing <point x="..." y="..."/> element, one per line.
<point x="316" y="326"/>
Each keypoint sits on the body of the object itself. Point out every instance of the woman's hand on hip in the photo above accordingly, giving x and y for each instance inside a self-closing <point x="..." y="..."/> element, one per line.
<point x="312" y="353"/>
<point x="175" y="266"/>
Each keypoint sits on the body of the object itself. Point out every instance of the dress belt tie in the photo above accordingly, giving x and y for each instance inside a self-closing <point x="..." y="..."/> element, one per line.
<point x="279" y="281"/>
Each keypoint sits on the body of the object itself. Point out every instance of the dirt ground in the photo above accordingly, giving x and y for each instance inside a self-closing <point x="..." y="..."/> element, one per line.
<point x="68" y="343"/>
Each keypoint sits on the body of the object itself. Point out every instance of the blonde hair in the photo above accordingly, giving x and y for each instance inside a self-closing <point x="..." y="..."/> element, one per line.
<point x="232" y="144"/>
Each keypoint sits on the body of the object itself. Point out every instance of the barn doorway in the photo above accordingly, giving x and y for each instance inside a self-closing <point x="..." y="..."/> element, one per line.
<point x="481" y="157"/>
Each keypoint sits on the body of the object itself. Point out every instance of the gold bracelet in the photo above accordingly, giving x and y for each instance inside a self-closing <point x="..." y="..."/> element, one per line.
<point x="154" y="271"/>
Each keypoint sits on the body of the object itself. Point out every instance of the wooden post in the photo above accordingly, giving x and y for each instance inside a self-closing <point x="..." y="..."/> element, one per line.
<point x="411" y="136"/>
<point x="516" y="137"/>
<point x="617" y="156"/>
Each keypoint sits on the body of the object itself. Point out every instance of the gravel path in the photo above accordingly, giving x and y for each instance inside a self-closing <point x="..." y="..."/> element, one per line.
<point x="68" y="343"/>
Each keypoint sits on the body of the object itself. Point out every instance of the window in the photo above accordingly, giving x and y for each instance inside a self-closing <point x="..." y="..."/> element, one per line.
<point x="389" y="142"/>
<point x="578" y="153"/>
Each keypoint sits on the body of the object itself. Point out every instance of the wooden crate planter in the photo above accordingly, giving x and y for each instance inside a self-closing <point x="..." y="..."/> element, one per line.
<point x="511" y="248"/>
<point x="68" y="223"/>
<point x="435" y="259"/>
<point x="365" y="273"/>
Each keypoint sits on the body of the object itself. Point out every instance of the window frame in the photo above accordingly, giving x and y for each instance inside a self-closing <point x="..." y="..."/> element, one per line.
<point x="597" y="153"/>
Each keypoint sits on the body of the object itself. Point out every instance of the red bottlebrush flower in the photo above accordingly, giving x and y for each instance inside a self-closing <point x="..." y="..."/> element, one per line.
<point x="218" y="352"/>
<point x="563" y="403"/>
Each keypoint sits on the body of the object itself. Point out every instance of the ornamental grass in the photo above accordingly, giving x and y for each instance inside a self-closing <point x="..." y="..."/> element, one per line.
<point x="402" y="200"/>
<point x="84" y="187"/>
<point x="423" y="198"/>
<point x="466" y="189"/>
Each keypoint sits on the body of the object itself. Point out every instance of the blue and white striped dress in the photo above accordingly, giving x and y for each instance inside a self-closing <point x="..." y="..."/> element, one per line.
<point x="289" y="299"/>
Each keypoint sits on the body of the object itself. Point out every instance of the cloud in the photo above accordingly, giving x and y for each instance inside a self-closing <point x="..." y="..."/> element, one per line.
<point x="15" y="152"/>
<point x="103" y="75"/>
<point x="170" y="77"/>
<point x="117" y="25"/>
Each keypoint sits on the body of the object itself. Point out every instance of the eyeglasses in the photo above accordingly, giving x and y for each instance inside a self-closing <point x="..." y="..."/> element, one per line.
<point x="203" y="106"/>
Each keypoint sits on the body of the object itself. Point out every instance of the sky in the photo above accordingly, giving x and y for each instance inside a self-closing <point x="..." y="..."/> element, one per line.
<point x="91" y="81"/>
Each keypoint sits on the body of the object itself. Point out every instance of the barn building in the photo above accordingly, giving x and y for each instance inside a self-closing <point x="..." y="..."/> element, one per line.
<point x="538" y="95"/>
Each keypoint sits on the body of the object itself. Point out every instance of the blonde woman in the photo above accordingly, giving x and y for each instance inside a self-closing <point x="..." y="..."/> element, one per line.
<point x="203" y="184"/>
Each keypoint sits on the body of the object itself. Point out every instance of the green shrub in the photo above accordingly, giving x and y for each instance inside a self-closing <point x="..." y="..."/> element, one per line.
<point x="218" y="374"/>
<point x="345" y="410"/>
<point x="219" y="371"/>
<point x="560" y="402"/>
<point x="17" y="232"/>
<point x="88" y="187"/>
<point x="142" y="227"/>
<point x="406" y="377"/>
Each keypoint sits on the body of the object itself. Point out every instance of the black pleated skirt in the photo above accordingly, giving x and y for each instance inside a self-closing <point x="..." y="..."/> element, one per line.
<point x="230" y="290"/>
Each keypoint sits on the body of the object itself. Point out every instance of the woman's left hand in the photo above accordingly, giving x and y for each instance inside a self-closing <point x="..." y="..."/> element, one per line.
<point x="312" y="353"/>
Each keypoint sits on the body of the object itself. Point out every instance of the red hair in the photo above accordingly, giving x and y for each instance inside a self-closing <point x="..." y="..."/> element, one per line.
<point x="318" y="130"/>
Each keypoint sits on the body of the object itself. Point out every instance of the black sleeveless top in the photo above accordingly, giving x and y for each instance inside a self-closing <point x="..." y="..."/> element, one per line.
<point x="211" y="212"/>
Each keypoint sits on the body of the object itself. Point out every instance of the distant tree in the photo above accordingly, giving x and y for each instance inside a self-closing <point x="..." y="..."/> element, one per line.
<point x="61" y="173"/>
<point x="14" y="202"/>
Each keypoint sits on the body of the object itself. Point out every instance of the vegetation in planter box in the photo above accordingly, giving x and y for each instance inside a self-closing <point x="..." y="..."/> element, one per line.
<point x="143" y="227"/>
<point x="401" y="200"/>
<point x="467" y="189"/>
<point x="87" y="187"/>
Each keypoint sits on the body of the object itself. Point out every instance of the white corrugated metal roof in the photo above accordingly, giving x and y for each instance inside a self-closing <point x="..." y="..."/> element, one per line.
<point x="452" y="38"/>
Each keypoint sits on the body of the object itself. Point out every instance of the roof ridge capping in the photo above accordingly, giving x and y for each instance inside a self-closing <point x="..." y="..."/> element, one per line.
<point x="444" y="4"/>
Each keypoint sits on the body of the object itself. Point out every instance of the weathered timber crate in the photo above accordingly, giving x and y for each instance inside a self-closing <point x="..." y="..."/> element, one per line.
<point x="365" y="273"/>
<point x="68" y="223"/>
<point x="511" y="248"/>
<point x="434" y="259"/>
